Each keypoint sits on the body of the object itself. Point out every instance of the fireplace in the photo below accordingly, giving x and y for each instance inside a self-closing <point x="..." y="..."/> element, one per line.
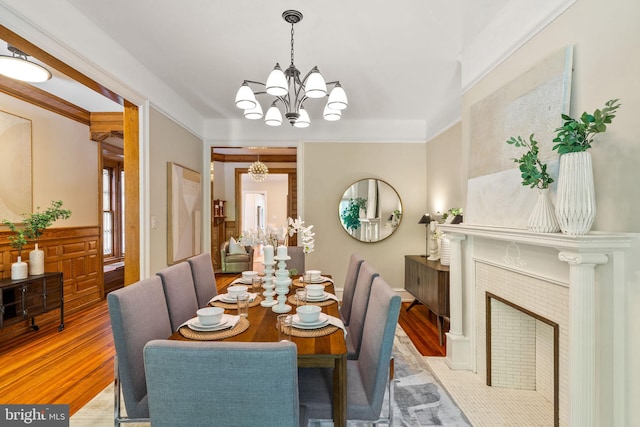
<point x="572" y="286"/>
<point x="522" y="350"/>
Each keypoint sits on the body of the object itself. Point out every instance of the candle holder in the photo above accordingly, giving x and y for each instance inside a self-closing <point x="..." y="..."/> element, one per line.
<point x="282" y="282"/>
<point x="268" y="285"/>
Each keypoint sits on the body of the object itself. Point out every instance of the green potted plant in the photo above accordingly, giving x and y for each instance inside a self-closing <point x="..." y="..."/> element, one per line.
<point x="534" y="175"/>
<point x="19" y="269"/>
<point x="350" y="215"/>
<point x="575" y="202"/>
<point x="35" y="224"/>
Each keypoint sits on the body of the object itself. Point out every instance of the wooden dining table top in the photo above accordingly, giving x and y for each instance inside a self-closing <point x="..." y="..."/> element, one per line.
<point x="262" y="328"/>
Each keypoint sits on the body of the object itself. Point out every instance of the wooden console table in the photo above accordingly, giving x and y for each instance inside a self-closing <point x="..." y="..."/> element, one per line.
<point x="26" y="298"/>
<point x="428" y="282"/>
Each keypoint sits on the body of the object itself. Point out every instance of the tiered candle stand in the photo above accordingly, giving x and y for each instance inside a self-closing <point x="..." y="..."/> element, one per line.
<point x="268" y="285"/>
<point x="282" y="282"/>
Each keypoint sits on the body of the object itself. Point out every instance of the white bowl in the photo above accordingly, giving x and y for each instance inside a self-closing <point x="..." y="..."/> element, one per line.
<point x="210" y="315"/>
<point x="248" y="275"/>
<point x="236" y="290"/>
<point x="315" y="274"/>
<point x="315" y="290"/>
<point x="309" y="313"/>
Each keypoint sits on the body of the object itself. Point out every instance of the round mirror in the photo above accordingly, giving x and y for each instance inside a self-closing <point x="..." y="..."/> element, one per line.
<point x="370" y="210"/>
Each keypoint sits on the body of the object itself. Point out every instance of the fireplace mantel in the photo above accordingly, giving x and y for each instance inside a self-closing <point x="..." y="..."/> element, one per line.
<point x="581" y="256"/>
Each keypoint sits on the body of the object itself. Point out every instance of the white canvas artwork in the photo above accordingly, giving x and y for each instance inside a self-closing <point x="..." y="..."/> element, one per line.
<point x="185" y="216"/>
<point x="15" y="173"/>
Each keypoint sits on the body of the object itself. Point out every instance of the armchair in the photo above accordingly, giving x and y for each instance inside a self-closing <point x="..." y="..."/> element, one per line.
<point x="235" y="262"/>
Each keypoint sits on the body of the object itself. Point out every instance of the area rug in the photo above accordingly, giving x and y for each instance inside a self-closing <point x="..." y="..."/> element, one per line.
<point x="419" y="399"/>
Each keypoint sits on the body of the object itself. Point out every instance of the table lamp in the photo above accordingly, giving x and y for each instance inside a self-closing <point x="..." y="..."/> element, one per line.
<point x="426" y="220"/>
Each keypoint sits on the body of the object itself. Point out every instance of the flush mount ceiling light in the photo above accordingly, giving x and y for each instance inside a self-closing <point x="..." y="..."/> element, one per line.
<point x="20" y="68"/>
<point x="291" y="92"/>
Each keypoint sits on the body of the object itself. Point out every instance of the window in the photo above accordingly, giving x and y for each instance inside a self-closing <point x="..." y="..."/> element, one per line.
<point x="113" y="210"/>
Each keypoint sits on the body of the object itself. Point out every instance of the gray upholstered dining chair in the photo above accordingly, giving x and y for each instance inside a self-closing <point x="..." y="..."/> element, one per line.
<point x="204" y="278"/>
<point x="180" y="292"/>
<point x="359" y="309"/>
<point x="369" y="375"/>
<point x="208" y="383"/>
<point x="350" y="286"/>
<point x="138" y="315"/>
<point x="297" y="259"/>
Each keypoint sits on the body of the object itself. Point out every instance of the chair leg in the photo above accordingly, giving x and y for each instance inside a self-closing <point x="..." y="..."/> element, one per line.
<point x="116" y="393"/>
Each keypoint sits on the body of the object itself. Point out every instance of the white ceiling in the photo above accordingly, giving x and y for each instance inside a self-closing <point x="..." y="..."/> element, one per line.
<point x="401" y="61"/>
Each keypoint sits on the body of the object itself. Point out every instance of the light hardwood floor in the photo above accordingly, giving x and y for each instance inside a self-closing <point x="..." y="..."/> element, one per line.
<point x="72" y="366"/>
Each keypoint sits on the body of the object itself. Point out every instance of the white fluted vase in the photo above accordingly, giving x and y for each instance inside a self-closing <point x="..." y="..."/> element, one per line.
<point x="576" y="199"/>
<point x="36" y="261"/>
<point x="543" y="216"/>
<point x="19" y="269"/>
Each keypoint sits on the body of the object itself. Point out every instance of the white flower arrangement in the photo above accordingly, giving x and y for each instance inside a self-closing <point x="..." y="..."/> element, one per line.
<point x="305" y="234"/>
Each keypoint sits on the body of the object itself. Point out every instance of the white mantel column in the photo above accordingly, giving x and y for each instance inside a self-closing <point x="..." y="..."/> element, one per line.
<point x="582" y="339"/>
<point x="458" y="351"/>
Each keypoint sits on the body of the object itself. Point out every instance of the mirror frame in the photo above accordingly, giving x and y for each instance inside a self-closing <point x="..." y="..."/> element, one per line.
<point x="391" y="220"/>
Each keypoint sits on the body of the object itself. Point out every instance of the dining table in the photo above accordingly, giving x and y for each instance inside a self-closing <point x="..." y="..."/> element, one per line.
<point x="328" y="350"/>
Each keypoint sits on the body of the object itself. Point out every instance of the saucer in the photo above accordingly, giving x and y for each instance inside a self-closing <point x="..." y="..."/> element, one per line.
<point x="195" y="325"/>
<point x="325" y="296"/>
<point x="322" y="321"/>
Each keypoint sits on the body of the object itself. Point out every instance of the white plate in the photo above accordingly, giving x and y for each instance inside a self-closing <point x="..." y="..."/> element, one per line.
<point x="318" y="280"/>
<point x="246" y="281"/>
<point x="197" y="326"/>
<point x="323" y="297"/>
<point x="228" y="298"/>
<point x="322" y="321"/>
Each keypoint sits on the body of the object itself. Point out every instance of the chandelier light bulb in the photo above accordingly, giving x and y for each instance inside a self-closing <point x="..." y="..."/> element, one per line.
<point x="277" y="82"/>
<point x="273" y="116"/>
<point x="315" y="87"/>
<point x="303" y="121"/>
<point x="330" y="114"/>
<point x="245" y="98"/>
<point x="338" y="98"/>
<point x="254" y="113"/>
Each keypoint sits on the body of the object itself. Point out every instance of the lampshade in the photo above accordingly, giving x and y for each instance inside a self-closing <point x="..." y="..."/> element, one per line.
<point x="20" y="68"/>
<point x="254" y="113"/>
<point x="303" y="121"/>
<point x="338" y="98"/>
<point x="277" y="82"/>
<point x="273" y="116"/>
<point x="315" y="86"/>
<point x="330" y="114"/>
<point x="426" y="219"/>
<point x="245" y="99"/>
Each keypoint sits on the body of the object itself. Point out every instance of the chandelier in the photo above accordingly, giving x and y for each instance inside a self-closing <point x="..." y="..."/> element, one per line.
<point x="20" y="68"/>
<point x="258" y="171"/>
<point x="291" y="92"/>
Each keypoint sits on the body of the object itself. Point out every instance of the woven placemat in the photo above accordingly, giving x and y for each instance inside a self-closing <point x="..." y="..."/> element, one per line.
<point x="297" y="283"/>
<point x="233" y="305"/>
<point x="292" y="300"/>
<point x="313" y="333"/>
<point x="241" y="326"/>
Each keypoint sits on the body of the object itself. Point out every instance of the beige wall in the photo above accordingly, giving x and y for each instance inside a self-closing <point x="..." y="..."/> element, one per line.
<point x="57" y="175"/>
<point x="446" y="187"/>
<point x="330" y="168"/>
<point x="168" y="142"/>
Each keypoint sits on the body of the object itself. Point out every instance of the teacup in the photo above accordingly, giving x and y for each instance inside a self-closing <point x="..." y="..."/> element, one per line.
<point x="234" y="291"/>
<point x="315" y="290"/>
<point x="210" y="315"/>
<point x="249" y="275"/>
<point x="313" y="274"/>
<point x="309" y="313"/>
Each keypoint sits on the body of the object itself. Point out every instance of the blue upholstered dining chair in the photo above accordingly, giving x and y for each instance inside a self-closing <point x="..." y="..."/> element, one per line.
<point x="368" y="376"/>
<point x="208" y="383"/>
<point x="297" y="259"/>
<point x="204" y="278"/>
<point x="180" y="292"/>
<point x="350" y="286"/>
<point x="359" y="309"/>
<point x="138" y="315"/>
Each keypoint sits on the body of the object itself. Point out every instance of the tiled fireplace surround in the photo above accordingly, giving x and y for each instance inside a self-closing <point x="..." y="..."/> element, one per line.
<point x="574" y="281"/>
